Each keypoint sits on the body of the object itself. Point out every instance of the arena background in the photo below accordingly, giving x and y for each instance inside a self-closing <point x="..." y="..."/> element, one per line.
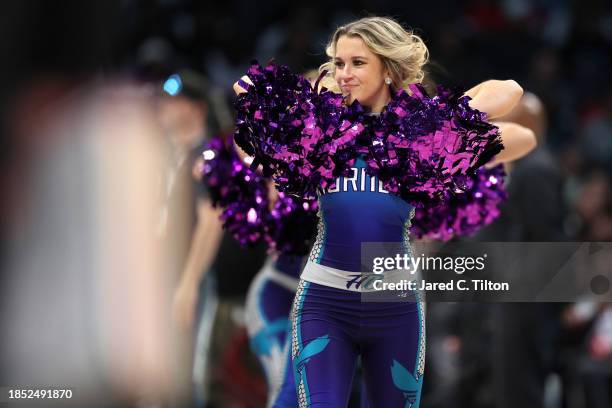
<point x="86" y="116"/>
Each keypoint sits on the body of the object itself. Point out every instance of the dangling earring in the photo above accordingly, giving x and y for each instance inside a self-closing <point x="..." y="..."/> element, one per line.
<point x="388" y="81"/>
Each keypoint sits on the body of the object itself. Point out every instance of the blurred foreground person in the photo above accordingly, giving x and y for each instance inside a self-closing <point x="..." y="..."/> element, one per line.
<point x="84" y="288"/>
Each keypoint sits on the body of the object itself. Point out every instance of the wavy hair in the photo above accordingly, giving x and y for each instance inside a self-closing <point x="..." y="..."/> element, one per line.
<point x="402" y="52"/>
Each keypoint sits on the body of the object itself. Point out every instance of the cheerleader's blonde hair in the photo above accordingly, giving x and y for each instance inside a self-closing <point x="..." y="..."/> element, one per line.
<point x="402" y="52"/>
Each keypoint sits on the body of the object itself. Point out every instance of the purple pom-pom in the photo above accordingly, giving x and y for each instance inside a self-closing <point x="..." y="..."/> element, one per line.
<point x="304" y="139"/>
<point x="243" y="194"/>
<point x="422" y="148"/>
<point x="463" y="214"/>
<point x="426" y="150"/>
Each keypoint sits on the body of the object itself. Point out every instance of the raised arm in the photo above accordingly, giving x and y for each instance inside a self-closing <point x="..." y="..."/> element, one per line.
<point x="517" y="140"/>
<point x="495" y="97"/>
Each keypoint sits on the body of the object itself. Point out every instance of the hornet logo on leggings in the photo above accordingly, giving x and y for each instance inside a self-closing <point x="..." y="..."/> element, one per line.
<point x="405" y="381"/>
<point x="313" y="348"/>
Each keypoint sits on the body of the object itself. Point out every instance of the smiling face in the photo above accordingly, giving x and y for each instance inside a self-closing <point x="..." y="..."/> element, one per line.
<point x="360" y="74"/>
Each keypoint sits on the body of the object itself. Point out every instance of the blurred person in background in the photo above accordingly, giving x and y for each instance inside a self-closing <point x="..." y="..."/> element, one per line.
<point x="183" y="112"/>
<point x="594" y="373"/>
<point x="527" y="336"/>
<point x="591" y="207"/>
<point x="267" y="318"/>
<point x="210" y="261"/>
<point x="589" y="322"/>
<point x="536" y="175"/>
<point x="595" y="137"/>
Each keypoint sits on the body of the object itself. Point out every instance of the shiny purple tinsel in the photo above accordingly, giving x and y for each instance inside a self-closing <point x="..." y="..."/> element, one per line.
<point x="463" y="214"/>
<point x="243" y="194"/>
<point x="425" y="150"/>
<point x="302" y="138"/>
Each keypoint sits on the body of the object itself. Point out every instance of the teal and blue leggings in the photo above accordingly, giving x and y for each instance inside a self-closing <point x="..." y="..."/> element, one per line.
<point x="332" y="327"/>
